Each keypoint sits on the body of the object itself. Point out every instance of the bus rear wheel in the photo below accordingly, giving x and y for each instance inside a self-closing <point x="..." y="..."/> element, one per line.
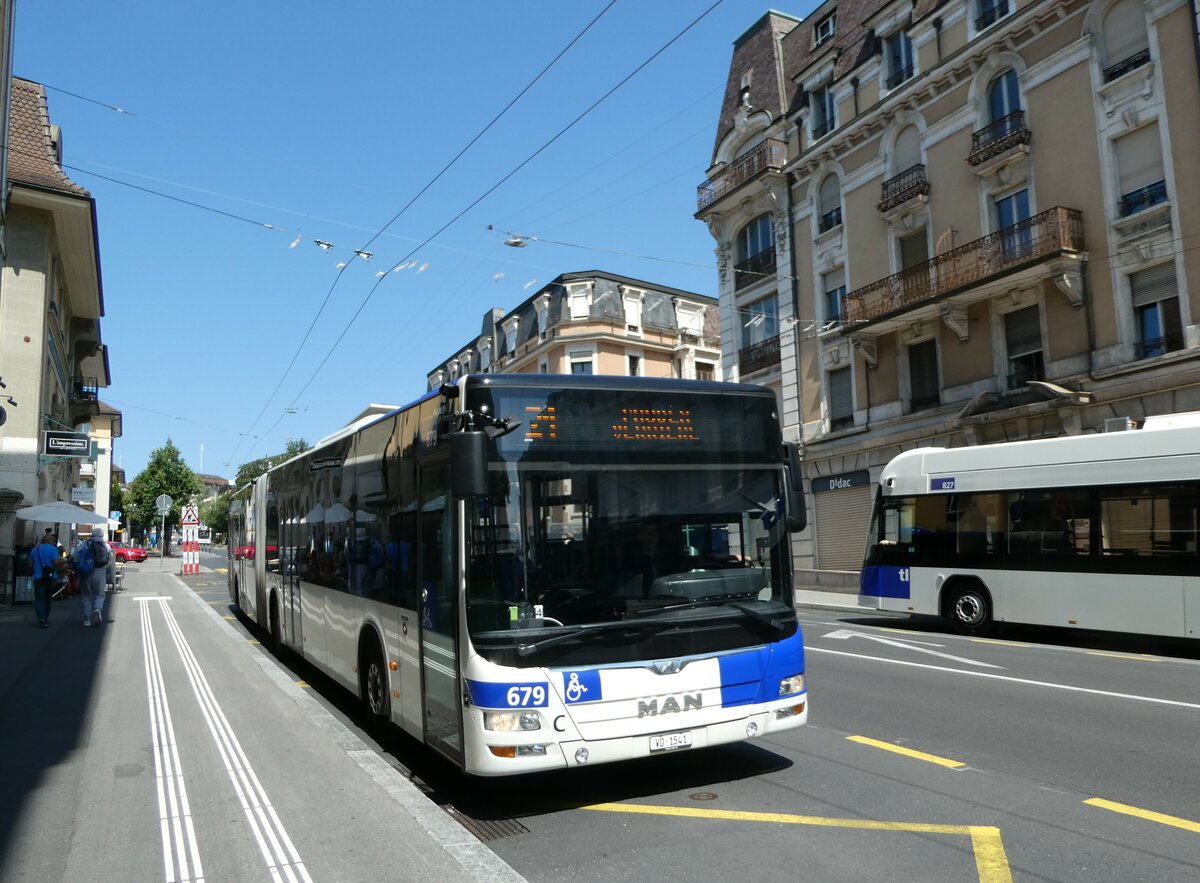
<point x="970" y="609"/>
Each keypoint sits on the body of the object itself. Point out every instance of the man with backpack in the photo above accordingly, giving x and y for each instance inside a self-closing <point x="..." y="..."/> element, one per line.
<point x="90" y="562"/>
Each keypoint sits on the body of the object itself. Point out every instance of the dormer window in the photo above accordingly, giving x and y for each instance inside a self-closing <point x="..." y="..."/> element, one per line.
<point x="823" y="116"/>
<point x="824" y="29"/>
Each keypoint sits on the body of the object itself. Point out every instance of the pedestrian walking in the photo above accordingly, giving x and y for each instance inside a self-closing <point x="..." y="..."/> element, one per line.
<point x="89" y="562"/>
<point x="42" y="560"/>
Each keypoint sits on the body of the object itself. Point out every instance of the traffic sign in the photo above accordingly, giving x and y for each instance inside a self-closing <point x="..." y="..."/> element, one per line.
<point x="163" y="503"/>
<point x="190" y="516"/>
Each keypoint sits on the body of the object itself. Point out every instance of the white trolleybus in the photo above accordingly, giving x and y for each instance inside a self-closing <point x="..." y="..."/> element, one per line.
<point x="530" y="572"/>
<point x="1094" y="532"/>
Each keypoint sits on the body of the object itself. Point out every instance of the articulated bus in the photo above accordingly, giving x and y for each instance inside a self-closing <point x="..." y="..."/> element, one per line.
<point x="1098" y="531"/>
<point x="530" y="572"/>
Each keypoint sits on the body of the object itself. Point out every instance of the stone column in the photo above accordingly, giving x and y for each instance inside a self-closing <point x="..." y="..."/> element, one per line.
<point x="8" y="507"/>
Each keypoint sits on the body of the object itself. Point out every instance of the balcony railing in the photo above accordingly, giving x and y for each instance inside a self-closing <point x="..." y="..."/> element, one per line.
<point x="910" y="183"/>
<point x="820" y="130"/>
<point x="751" y="270"/>
<point x="1051" y="233"/>
<point x="1142" y="198"/>
<point x="771" y="154"/>
<point x="85" y="389"/>
<point x="829" y="220"/>
<point x="994" y="139"/>
<point x="921" y="402"/>
<point x="757" y="356"/>
<point x="1121" y="68"/>
<point x="990" y="14"/>
<point x="1157" y="346"/>
<point x="900" y="76"/>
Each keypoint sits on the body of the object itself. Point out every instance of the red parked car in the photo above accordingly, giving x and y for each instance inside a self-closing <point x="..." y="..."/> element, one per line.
<point x="125" y="554"/>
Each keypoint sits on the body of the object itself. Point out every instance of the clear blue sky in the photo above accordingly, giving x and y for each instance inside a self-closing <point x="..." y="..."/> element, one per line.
<point x="324" y="120"/>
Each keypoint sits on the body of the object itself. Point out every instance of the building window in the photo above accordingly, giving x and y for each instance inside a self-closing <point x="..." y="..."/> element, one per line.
<point x="1023" y="343"/>
<point x="1155" y="297"/>
<point x="580" y="308"/>
<point x="755" y="252"/>
<point x="543" y="315"/>
<point x="1140" y="167"/>
<point x="913" y="249"/>
<point x="1016" y="237"/>
<point x="485" y="358"/>
<point x="1126" y="44"/>
<point x="824" y="29"/>
<point x="760" y="321"/>
<point x="704" y="371"/>
<point x="923" y="375"/>
<point x="823" y="112"/>
<point x="581" y="363"/>
<point x="834" y="285"/>
<point x="1004" y="96"/>
<point x="841" y="398"/>
<point x="543" y="367"/>
<point x="829" y="199"/>
<point x="633" y="313"/>
<point x="635" y="365"/>
<point x="900" y="59"/>
<point x="690" y="319"/>
<point x="510" y="338"/>
<point x="990" y="12"/>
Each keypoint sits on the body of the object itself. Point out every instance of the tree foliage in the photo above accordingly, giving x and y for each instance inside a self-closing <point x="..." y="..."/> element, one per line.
<point x="247" y="472"/>
<point x="214" y="513"/>
<point x="166" y="473"/>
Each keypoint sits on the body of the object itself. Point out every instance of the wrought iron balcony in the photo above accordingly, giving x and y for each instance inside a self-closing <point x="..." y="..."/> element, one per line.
<point x="757" y="356"/>
<point x="771" y="154"/>
<point x="751" y="270"/>
<point x="1049" y="234"/>
<point x="921" y="402"/>
<point x="1121" y="68"/>
<point x="1142" y="198"/>
<point x="991" y="13"/>
<point x="997" y="137"/>
<point x="85" y="389"/>
<point x="820" y="130"/>
<point x="908" y="184"/>
<point x="1157" y="346"/>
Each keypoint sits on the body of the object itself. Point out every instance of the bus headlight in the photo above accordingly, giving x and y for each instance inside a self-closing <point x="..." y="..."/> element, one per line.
<point x="789" y="686"/>
<point x="509" y="721"/>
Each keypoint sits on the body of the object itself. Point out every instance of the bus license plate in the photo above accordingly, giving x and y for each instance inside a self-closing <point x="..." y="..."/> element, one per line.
<point x="670" y="741"/>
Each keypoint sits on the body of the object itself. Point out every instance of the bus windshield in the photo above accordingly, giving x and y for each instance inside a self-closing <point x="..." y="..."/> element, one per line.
<point x="576" y="559"/>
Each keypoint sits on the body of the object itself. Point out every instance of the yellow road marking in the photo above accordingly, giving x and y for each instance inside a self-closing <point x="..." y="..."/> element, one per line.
<point x="1001" y="643"/>
<point x="221" y="569"/>
<point x="990" y="859"/>
<point x="231" y="617"/>
<point x="253" y="640"/>
<point x="303" y="684"/>
<point x="1146" y="814"/>
<point x="223" y="603"/>
<point x="908" y="752"/>
<point x="1136" y="657"/>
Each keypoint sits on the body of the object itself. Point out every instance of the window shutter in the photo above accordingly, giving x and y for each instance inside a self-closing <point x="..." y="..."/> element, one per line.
<point x="1139" y="158"/>
<point x="841" y="396"/>
<point x="1124" y="31"/>
<point x="834" y="279"/>
<point x="830" y="194"/>
<point x="1151" y="286"/>
<point x="908" y="149"/>
<point x="1023" y="332"/>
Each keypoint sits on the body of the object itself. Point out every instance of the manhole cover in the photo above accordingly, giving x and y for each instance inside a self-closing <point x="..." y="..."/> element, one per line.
<point x="704" y="795"/>
<point x="487" y="829"/>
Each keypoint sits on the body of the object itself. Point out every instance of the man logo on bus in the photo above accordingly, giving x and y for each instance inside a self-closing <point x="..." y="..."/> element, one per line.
<point x="670" y="705"/>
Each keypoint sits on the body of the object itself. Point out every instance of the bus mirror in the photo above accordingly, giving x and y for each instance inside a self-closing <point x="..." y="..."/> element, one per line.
<point x="797" y="514"/>
<point x="468" y="464"/>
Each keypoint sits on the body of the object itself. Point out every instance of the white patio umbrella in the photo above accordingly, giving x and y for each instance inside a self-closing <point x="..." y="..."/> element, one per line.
<point x="59" y="512"/>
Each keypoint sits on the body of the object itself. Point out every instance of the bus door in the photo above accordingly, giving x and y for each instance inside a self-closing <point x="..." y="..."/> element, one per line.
<point x="439" y="614"/>
<point x="291" y="550"/>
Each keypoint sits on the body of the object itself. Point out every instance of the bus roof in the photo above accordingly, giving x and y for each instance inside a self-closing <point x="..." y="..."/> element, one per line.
<point x="1130" y="457"/>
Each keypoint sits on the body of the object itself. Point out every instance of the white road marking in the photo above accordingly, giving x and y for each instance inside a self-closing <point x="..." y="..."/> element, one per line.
<point x="842" y="634"/>
<point x="1009" y="678"/>
<point x="174" y="813"/>
<point x="278" y="851"/>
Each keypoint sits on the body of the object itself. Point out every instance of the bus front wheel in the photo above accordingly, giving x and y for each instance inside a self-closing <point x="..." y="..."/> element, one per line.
<point x="970" y="609"/>
<point x="375" y="682"/>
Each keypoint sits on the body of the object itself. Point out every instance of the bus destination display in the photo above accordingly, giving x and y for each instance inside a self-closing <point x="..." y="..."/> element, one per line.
<point x="628" y="424"/>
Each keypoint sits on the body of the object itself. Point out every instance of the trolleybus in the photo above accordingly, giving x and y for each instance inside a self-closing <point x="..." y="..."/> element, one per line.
<point x="531" y="572"/>
<point x="1098" y="531"/>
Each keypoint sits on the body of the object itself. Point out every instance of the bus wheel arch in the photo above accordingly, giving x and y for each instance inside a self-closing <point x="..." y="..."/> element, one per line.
<point x="372" y="675"/>
<point x="967" y="603"/>
<point x="234" y="594"/>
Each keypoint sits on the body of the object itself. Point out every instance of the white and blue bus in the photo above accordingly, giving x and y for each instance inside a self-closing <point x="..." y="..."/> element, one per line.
<point x="531" y="572"/>
<point x="1098" y="531"/>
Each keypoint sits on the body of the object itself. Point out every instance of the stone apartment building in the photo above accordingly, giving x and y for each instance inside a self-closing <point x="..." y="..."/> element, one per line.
<point x="595" y="322"/>
<point x="956" y="223"/>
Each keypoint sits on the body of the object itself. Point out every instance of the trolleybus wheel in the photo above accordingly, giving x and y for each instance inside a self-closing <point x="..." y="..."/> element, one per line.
<point x="970" y="608"/>
<point x="375" y="683"/>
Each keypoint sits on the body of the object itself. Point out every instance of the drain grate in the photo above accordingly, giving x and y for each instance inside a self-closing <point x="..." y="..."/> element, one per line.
<point x="487" y="829"/>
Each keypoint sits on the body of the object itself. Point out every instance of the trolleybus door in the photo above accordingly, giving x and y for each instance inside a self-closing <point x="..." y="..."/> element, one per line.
<point x="439" y="614"/>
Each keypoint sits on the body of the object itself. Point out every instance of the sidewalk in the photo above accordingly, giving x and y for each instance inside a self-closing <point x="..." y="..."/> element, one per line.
<point x="77" y="766"/>
<point x="823" y="599"/>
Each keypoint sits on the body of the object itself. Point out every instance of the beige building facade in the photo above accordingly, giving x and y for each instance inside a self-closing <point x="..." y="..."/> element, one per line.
<point x="595" y="323"/>
<point x="966" y="222"/>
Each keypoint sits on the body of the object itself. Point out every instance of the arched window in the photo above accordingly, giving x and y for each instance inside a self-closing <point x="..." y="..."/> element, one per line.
<point x="1004" y="97"/>
<point x="908" y="150"/>
<point x="755" y="252"/>
<point x="829" y="199"/>
<point x="1126" y="44"/>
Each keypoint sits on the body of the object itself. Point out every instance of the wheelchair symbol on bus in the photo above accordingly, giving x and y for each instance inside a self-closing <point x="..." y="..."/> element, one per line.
<point x="575" y="690"/>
